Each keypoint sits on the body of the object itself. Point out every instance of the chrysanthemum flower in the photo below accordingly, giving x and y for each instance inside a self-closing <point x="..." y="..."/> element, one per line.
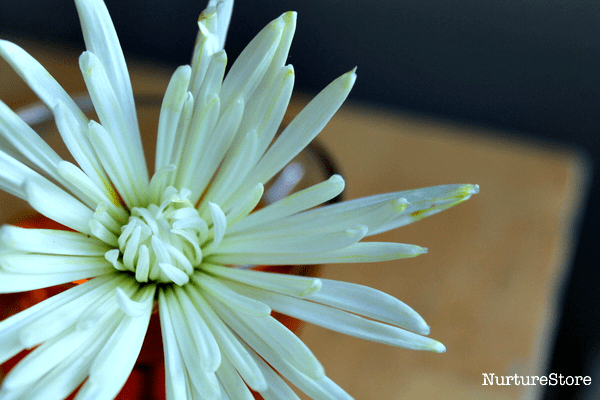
<point x="176" y="238"/>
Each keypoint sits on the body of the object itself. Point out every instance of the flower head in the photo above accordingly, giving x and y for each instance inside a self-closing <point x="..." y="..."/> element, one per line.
<point x="173" y="238"/>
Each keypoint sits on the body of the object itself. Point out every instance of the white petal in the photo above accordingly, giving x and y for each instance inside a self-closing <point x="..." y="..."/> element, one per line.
<point x="330" y="219"/>
<point x="101" y="39"/>
<point x="114" y="362"/>
<point x="302" y="130"/>
<point x="170" y="113"/>
<point x="50" y="241"/>
<point x="289" y="243"/>
<point x="224" y="10"/>
<point x="204" y="341"/>
<point x="228" y="343"/>
<point x="176" y="378"/>
<point x="429" y="201"/>
<point x="245" y="205"/>
<point x="219" y="222"/>
<point x="232" y="382"/>
<point x="267" y="108"/>
<point x="27" y="142"/>
<point x="130" y="307"/>
<point x="277" y="388"/>
<point x="56" y="204"/>
<point x="116" y="167"/>
<point x="34" y="264"/>
<point x="201" y="128"/>
<point x="114" y="119"/>
<point x="39" y="80"/>
<point x="74" y="133"/>
<point x="369" y="302"/>
<point x="174" y="274"/>
<point x="249" y="68"/>
<point x="297" y="202"/>
<point x="227" y="296"/>
<point x="13" y="174"/>
<point x="358" y="252"/>
<point x="287" y="284"/>
<point x="215" y="148"/>
<point x="11" y="327"/>
<point x="235" y="166"/>
<point x="270" y="339"/>
<point x="344" y="322"/>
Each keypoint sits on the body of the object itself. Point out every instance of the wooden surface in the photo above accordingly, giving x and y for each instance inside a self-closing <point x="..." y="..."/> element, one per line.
<point x="487" y="287"/>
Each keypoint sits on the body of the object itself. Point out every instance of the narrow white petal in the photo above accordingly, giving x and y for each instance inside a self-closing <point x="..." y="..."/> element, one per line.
<point x="344" y="322"/>
<point x="130" y="307"/>
<point x="270" y="339"/>
<point x="10" y="328"/>
<point x="232" y="382"/>
<point x="170" y="113"/>
<point x="204" y="341"/>
<point x="302" y="130"/>
<point x="13" y="174"/>
<point x="114" y="119"/>
<point x="174" y="274"/>
<point x="277" y="388"/>
<point x="296" y="242"/>
<point x="297" y="202"/>
<point x="142" y="268"/>
<point x="34" y="264"/>
<point x="71" y="370"/>
<point x="212" y="80"/>
<point x="86" y="187"/>
<point x="369" y="302"/>
<point x="203" y="125"/>
<point x="176" y="376"/>
<point x="99" y="231"/>
<point x="24" y="139"/>
<point x="74" y="133"/>
<point x="43" y="359"/>
<point x="358" y="252"/>
<point x="227" y="296"/>
<point x="215" y="148"/>
<point x="49" y="241"/>
<point x="219" y="222"/>
<point x="207" y="44"/>
<point x="438" y="199"/>
<point x="266" y="111"/>
<point x="56" y="204"/>
<point x="114" y="362"/>
<point x="101" y="39"/>
<point x="224" y="9"/>
<point x="245" y="204"/>
<point x="116" y="167"/>
<point x="228" y="343"/>
<point x="317" y="388"/>
<point x="329" y="219"/>
<point x="249" y="68"/>
<point x="235" y="166"/>
<point x="39" y="80"/>
<point x="287" y="284"/>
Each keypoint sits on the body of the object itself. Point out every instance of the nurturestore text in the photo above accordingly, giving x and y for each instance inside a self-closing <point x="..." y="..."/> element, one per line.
<point x="553" y="379"/>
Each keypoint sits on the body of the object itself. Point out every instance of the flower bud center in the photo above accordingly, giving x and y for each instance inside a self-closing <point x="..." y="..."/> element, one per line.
<point x="161" y="243"/>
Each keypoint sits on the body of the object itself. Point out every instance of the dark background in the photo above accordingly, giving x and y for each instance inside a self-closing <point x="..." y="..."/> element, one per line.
<point x="528" y="67"/>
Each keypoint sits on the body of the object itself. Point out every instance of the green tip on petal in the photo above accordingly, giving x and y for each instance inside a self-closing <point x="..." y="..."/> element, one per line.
<point x="437" y="347"/>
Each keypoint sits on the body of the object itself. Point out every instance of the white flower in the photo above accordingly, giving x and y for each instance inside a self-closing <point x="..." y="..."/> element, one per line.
<point x="172" y="239"/>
